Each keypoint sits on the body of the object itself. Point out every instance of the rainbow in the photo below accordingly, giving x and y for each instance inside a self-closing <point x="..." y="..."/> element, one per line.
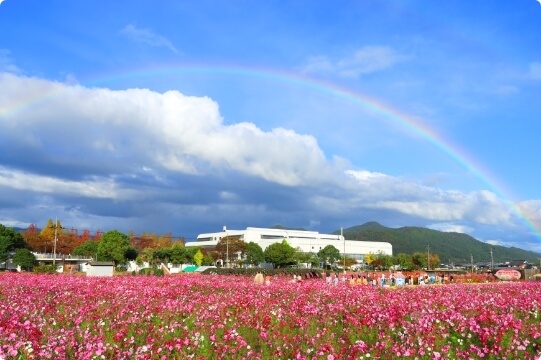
<point x="409" y="123"/>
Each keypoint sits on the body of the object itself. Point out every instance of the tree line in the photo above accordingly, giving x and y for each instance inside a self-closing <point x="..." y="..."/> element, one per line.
<point x="154" y="249"/>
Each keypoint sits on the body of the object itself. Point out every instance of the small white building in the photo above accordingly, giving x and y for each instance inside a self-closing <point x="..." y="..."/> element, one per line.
<point x="100" y="268"/>
<point x="307" y="241"/>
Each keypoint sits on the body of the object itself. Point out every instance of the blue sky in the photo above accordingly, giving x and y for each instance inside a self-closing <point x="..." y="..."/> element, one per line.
<point x="185" y="116"/>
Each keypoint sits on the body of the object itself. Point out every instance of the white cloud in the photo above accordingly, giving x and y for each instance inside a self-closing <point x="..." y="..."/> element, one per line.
<point x="531" y="211"/>
<point x="123" y="146"/>
<point x="96" y="188"/>
<point x="366" y="60"/>
<point x="496" y="243"/>
<point x="380" y="191"/>
<point x="139" y="127"/>
<point x="451" y="227"/>
<point x="535" y="70"/>
<point x="148" y="37"/>
<point x="6" y="63"/>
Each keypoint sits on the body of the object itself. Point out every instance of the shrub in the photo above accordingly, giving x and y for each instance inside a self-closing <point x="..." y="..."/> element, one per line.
<point x="253" y="271"/>
<point x="45" y="268"/>
<point x="151" y="271"/>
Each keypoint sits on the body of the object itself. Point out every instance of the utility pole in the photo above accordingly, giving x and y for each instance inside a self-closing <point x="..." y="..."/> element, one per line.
<point x="471" y="257"/>
<point x="491" y="261"/>
<point x="55" y="239"/>
<point x="226" y="248"/>
<point x="342" y="235"/>
<point x="428" y="257"/>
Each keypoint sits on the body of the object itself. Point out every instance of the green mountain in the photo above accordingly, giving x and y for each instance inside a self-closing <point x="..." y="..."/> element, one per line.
<point x="450" y="246"/>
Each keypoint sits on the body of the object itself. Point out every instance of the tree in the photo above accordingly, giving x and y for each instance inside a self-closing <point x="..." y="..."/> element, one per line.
<point x="9" y="240"/>
<point x="301" y="256"/>
<point x="34" y="241"/>
<point x="329" y="254"/>
<point x="24" y="258"/>
<point x="89" y="249"/>
<point x="85" y="236"/>
<point x="231" y="245"/>
<point x="382" y="261"/>
<point x="68" y="241"/>
<point x="419" y="260"/>
<point x="191" y="251"/>
<point x="198" y="258"/>
<point x="369" y="259"/>
<point x="131" y="254"/>
<point x="162" y="255"/>
<point x="434" y="261"/>
<point x="207" y="260"/>
<point x="113" y="247"/>
<point x="49" y="231"/>
<point x="179" y="254"/>
<point x="280" y="254"/>
<point x="254" y="253"/>
<point x="140" y="243"/>
<point x="404" y="260"/>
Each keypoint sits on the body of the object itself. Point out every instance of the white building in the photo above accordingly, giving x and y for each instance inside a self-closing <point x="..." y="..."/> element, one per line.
<point x="100" y="268"/>
<point x="307" y="241"/>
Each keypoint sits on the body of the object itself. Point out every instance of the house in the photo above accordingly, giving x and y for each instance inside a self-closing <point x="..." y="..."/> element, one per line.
<point x="521" y="264"/>
<point x="100" y="268"/>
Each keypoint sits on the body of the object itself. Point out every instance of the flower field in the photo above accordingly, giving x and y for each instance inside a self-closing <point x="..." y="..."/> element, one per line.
<point x="227" y="317"/>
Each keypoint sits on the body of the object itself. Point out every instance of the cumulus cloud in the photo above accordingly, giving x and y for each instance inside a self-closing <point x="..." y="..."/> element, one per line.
<point x="95" y="188"/>
<point x="136" y="128"/>
<point x="147" y="37"/>
<point x="366" y="60"/>
<point x="386" y="192"/>
<point x="136" y="156"/>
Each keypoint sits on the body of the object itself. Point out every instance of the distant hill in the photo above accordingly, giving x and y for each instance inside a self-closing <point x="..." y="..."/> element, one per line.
<point x="450" y="246"/>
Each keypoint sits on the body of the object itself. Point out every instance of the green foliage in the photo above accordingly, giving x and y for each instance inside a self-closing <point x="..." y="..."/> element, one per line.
<point x="88" y="249"/>
<point x="381" y="261"/>
<point x="24" y="258"/>
<point x="404" y="261"/>
<point x="254" y="253"/>
<point x="113" y="246"/>
<point x="198" y="258"/>
<point x="230" y="244"/>
<point x="151" y="271"/>
<point x="207" y="260"/>
<point x="9" y="240"/>
<point x="280" y="254"/>
<point x="288" y="272"/>
<point x="419" y="260"/>
<point x="145" y="271"/>
<point x="329" y="254"/>
<point x="43" y="268"/>
<point x="179" y="255"/>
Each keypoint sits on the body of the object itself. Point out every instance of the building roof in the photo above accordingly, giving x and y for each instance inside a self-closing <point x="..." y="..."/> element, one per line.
<point x="101" y="263"/>
<point x="190" y="268"/>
